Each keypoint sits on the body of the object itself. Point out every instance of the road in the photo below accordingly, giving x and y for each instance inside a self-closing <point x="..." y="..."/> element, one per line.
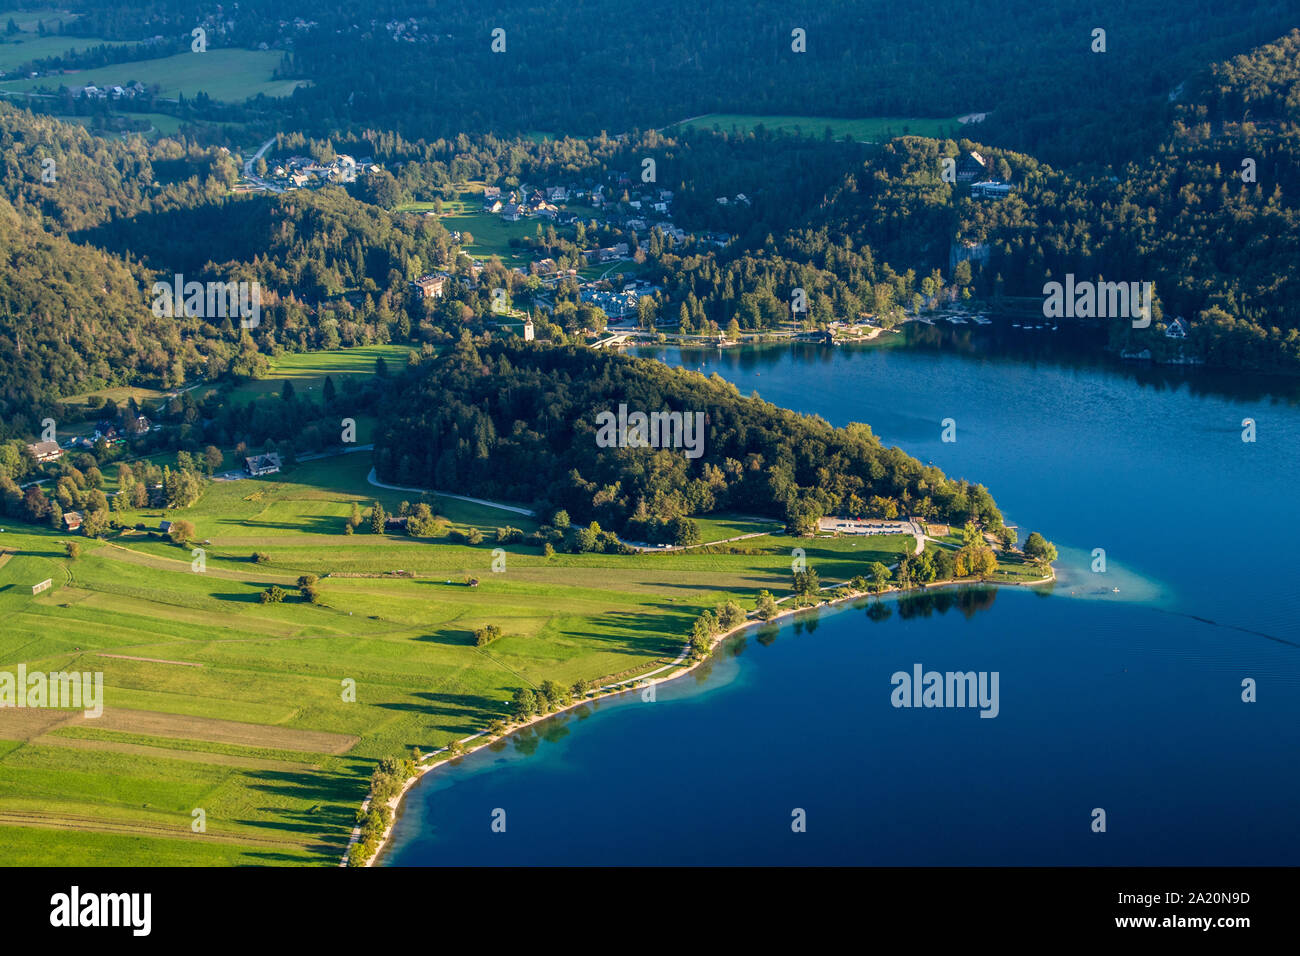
<point x="248" y="169"/>
<point x="374" y="480"/>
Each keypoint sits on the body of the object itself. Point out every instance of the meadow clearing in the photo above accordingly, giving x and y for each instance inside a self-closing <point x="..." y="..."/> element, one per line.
<point x="224" y="74"/>
<point x="307" y="370"/>
<point x="217" y="702"/>
<point x="27" y="47"/>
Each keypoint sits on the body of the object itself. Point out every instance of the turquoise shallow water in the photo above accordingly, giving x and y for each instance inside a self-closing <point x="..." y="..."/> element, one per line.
<point x="1128" y="701"/>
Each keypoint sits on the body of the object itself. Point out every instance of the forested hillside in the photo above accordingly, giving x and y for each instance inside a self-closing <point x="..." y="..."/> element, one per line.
<point x="579" y="68"/>
<point x="519" y="422"/>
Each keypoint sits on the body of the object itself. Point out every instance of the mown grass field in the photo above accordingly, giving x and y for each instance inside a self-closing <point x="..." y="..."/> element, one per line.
<point x="224" y="74"/>
<point x="27" y="47"/>
<point x="307" y="370"/>
<point x="145" y="397"/>
<point x="160" y="124"/>
<point x="870" y="129"/>
<point x="491" y="233"/>
<point x="218" y="702"/>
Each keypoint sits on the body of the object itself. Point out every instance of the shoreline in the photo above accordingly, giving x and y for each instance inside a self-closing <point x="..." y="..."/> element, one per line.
<point x="632" y="683"/>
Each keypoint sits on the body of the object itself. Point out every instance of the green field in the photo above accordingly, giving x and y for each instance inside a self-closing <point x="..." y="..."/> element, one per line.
<point x="224" y="74"/>
<point x="145" y="397"/>
<point x="491" y="233"/>
<point x="870" y="129"/>
<point x="24" y="49"/>
<point x="161" y="124"/>
<point x="257" y="735"/>
<point x="307" y="370"/>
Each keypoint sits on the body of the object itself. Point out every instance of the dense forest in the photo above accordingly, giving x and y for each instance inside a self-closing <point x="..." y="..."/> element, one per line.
<point x="517" y="421"/>
<point x="428" y="70"/>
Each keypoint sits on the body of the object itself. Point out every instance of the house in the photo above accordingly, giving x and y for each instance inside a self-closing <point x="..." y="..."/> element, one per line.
<point x="258" y="465"/>
<point x="1177" y="329"/>
<point x="970" y="166"/>
<point x="512" y="212"/>
<point x="72" y="520"/>
<point x="140" y="425"/>
<point x="164" y="526"/>
<point x="610" y="253"/>
<point x="44" y="451"/>
<point x="430" y="286"/>
<point x="493" y="206"/>
<point x="990" y="190"/>
<point x="492" y="195"/>
<point x="105" y="429"/>
<point x="557" y="194"/>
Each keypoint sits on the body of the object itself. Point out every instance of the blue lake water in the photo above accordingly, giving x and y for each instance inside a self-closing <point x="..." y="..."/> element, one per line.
<point x="1128" y="701"/>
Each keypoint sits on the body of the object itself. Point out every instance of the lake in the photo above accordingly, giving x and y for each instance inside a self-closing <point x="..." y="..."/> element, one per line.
<point x="1126" y="701"/>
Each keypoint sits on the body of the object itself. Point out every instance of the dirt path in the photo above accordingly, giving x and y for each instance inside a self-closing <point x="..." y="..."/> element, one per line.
<point x="373" y="478"/>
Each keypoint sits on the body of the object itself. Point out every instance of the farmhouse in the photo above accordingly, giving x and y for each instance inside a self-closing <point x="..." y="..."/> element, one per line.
<point x="45" y="451"/>
<point x="267" y="464"/>
<point x="72" y="520"/>
<point x="1177" y="329"/>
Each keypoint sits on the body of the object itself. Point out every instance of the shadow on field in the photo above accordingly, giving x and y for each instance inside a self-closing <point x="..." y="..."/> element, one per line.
<point x="304" y="785"/>
<point x="322" y="848"/>
<point x="333" y="819"/>
<point x="649" y="633"/>
<point x="449" y="638"/>
<point x="475" y="709"/>
<point x="308" y="524"/>
<point x="246" y="598"/>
